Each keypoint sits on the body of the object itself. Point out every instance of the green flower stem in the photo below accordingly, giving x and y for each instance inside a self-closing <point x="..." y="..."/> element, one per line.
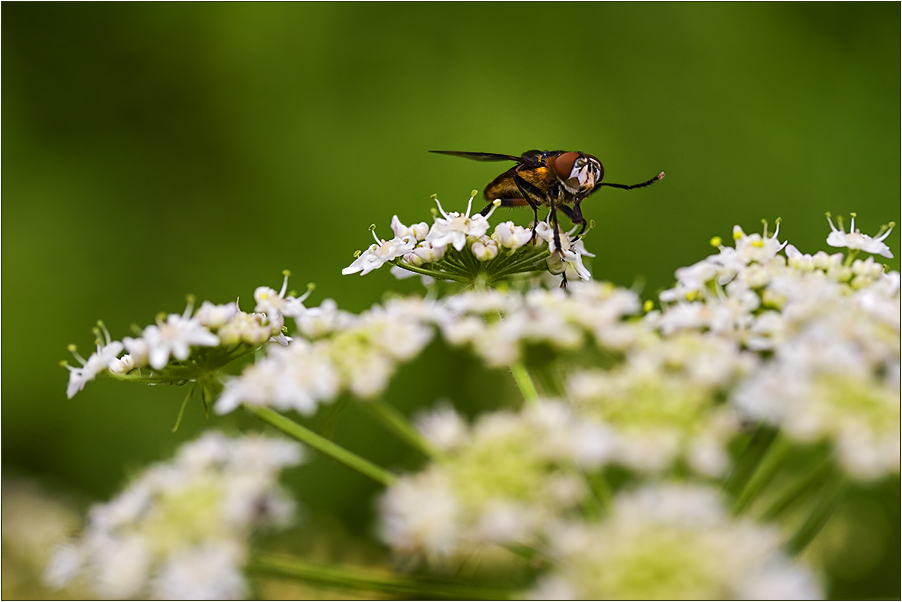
<point x="178" y="420"/>
<point x="396" y="422"/>
<point x="767" y="467"/>
<point x="601" y="491"/>
<point x="516" y="265"/>
<point x="434" y="274"/>
<point x="750" y="458"/>
<point x="794" y="492"/>
<point x="371" y="581"/>
<point x="524" y="382"/>
<point x="469" y="260"/>
<point x="321" y="444"/>
<point x="828" y="500"/>
<point x="851" y="257"/>
<point x="455" y="262"/>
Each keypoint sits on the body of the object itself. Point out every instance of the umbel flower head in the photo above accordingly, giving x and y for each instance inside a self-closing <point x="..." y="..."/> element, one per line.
<point x="501" y="481"/>
<point x="180" y="530"/>
<point x="672" y="542"/>
<point x="458" y="247"/>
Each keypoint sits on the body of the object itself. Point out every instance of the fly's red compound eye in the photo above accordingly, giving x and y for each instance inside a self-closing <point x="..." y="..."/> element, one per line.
<point x="563" y="165"/>
<point x="597" y="167"/>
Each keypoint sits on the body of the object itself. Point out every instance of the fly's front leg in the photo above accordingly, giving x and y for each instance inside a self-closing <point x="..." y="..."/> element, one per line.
<point x="526" y="189"/>
<point x="576" y="216"/>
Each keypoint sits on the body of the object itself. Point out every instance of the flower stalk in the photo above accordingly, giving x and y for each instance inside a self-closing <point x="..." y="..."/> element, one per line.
<point x="321" y="444"/>
<point x="397" y="423"/>
<point x="357" y="579"/>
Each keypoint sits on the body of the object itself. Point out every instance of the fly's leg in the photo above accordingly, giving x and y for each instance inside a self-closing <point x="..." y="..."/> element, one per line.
<point x="525" y="189"/>
<point x="576" y="216"/>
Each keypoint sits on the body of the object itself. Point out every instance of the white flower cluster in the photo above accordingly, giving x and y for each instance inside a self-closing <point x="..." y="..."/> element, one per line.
<point x="338" y="351"/>
<point x="664" y="403"/>
<point x="674" y="542"/>
<point x="498" y="325"/>
<point x="167" y="345"/>
<point x="757" y="334"/>
<point x="345" y="352"/>
<point x="180" y="530"/>
<point x="831" y="324"/>
<point x="475" y="251"/>
<point x="500" y="481"/>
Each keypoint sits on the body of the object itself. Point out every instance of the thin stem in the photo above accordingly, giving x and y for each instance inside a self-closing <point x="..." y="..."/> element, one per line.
<point x="515" y="264"/>
<point x="749" y="459"/>
<point x="524" y="382"/>
<point x="321" y="444"/>
<point x="851" y="257"/>
<point x="601" y="491"/>
<point x="453" y="268"/>
<point x="455" y="262"/>
<point x="371" y="581"/>
<point x="827" y="502"/>
<point x="398" y="423"/>
<point x="766" y="469"/>
<point x="469" y="260"/>
<point x="178" y="420"/>
<point x="791" y="494"/>
<point x="434" y="274"/>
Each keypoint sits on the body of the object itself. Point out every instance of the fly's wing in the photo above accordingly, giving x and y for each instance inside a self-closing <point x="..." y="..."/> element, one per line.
<point x="479" y="156"/>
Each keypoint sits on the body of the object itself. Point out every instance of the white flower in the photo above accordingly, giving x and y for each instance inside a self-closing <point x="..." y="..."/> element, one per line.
<point x="254" y="329"/>
<point x="214" y="316"/>
<point x="137" y="349"/>
<point x="454" y="228"/>
<point x="691" y="282"/>
<point x="502" y="481"/>
<point x="122" y="365"/>
<point x="418" y="231"/>
<point x="180" y="530"/>
<point x="428" y="252"/>
<point x="96" y="362"/>
<point x="511" y="236"/>
<point x="569" y="258"/>
<point x="443" y="426"/>
<point x="323" y="320"/>
<point x="206" y="572"/>
<point x="175" y="336"/>
<point x="672" y="542"/>
<point x="484" y="249"/>
<point x="380" y="253"/>
<point x="573" y="257"/>
<point x="297" y="377"/>
<point x="661" y="403"/>
<point x="856" y="240"/>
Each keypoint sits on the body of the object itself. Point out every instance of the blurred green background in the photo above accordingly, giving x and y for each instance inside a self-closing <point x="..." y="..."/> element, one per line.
<point x="154" y="150"/>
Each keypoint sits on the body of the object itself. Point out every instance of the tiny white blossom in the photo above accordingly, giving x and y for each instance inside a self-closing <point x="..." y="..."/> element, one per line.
<point x="380" y="253"/>
<point x="96" y="362"/>
<point x="254" y="329"/>
<point x="206" y="572"/>
<point x="443" y="426"/>
<point x="428" y="252"/>
<point x="454" y="228"/>
<point x="214" y="316"/>
<point x="175" y="336"/>
<point x="854" y="239"/>
<point x="511" y="236"/>
<point x="484" y="249"/>
<point x="418" y="231"/>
